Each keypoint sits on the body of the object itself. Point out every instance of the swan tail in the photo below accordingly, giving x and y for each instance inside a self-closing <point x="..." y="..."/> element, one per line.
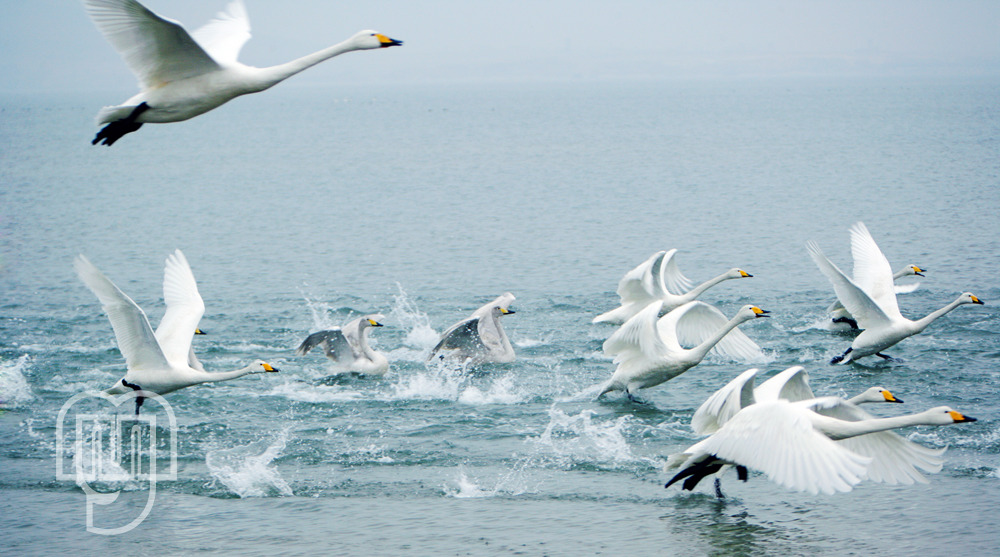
<point x="110" y="114"/>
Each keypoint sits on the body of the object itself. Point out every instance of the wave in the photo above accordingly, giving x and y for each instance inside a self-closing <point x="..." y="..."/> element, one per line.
<point x="14" y="388"/>
<point x="246" y="470"/>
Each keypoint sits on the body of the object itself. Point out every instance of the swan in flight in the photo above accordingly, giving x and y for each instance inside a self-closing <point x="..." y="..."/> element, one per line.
<point x="871" y="298"/>
<point x="659" y="278"/>
<point x="348" y="346"/>
<point x="861" y="244"/>
<point x="819" y="445"/>
<point x="159" y="362"/>
<point x="480" y="337"/>
<point x="181" y="74"/>
<point x="648" y="348"/>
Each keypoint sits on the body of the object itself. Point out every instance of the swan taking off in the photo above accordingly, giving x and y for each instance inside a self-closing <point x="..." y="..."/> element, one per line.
<point x="871" y="298"/>
<point x="648" y="348"/>
<point x="163" y="361"/>
<point x="479" y="338"/>
<point x="182" y="75"/>
<point x="659" y="278"/>
<point x="819" y="445"/>
<point x="348" y="346"/>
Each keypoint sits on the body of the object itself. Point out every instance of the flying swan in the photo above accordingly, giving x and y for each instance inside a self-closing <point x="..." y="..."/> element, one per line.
<point x="182" y="75"/>
<point x="164" y="361"/>
<point x="659" y="278"/>
<point x="648" y="349"/>
<point x="871" y="298"/>
<point x="480" y="337"/>
<point x="819" y="445"/>
<point x="348" y="346"/>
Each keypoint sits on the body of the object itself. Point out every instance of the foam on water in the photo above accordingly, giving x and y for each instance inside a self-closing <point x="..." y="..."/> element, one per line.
<point x="14" y="388"/>
<point x="247" y="471"/>
<point x="443" y="381"/>
<point x="511" y="482"/>
<point x="304" y="392"/>
<point x="580" y="437"/>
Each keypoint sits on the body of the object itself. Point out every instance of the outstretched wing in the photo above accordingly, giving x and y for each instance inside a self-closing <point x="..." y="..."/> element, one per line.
<point x="864" y="309"/>
<point x="671" y="277"/>
<point x="156" y="49"/>
<point x="791" y="384"/>
<point x="638" y="337"/>
<point x="334" y="344"/>
<point x="224" y="36"/>
<point x="641" y="283"/>
<point x="185" y="308"/>
<point x="724" y="404"/>
<point x="135" y="337"/>
<point x="463" y="336"/>
<point x="872" y="272"/>
<point x="695" y="322"/>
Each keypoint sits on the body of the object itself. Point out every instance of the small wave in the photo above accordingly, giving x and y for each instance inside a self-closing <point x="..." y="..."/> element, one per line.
<point x="246" y="470"/>
<point x="501" y="391"/>
<point x="14" y="388"/>
<point x="510" y="483"/>
<point x="304" y="392"/>
<point x="530" y="343"/>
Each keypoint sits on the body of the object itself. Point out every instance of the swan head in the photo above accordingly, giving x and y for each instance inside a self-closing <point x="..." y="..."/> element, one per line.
<point x="749" y="312"/>
<point x="878" y="394"/>
<point x="368" y="39"/>
<point x="736" y="273"/>
<point x="944" y="415"/>
<point x="373" y="320"/>
<point x="913" y="270"/>
<point x="969" y="298"/>
<point x="260" y="366"/>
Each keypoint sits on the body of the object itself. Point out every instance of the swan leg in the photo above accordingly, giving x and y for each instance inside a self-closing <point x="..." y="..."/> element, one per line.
<point x="853" y="323"/>
<point x="885" y="357"/>
<point x="138" y="399"/>
<point x="115" y="130"/>
<point x="718" y="489"/>
<point x="841" y="357"/>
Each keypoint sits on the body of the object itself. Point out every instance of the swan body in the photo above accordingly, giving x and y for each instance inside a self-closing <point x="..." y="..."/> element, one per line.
<point x="791" y="384"/>
<point x="648" y="349"/>
<point x="348" y="346"/>
<point x="659" y="278"/>
<point x="871" y="298"/>
<point x="159" y="362"/>
<point x="181" y="74"/>
<point x="480" y="337"/>
<point x="819" y="445"/>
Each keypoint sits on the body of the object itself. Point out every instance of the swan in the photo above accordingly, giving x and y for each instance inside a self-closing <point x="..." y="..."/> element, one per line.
<point x="480" y="337"/>
<point x="348" y="346"/>
<point x="659" y="278"/>
<point x="865" y="243"/>
<point x="648" y="348"/>
<point x="805" y="446"/>
<point x="181" y="74"/>
<point x="871" y="299"/>
<point x="159" y="362"/>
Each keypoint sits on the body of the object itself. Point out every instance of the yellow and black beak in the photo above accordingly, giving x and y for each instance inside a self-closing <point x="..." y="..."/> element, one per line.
<point x="199" y="332"/>
<point x="267" y="367"/>
<point x="506" y="311"/>
<point x="918" y="271"/>
<point x="959" y="417"/>
<point x="386" y="41"/>
<point x="745" y="274"/>
<point x="760" y="312"/>
<point x="976" y="300"/>
<point x="890" y="398"/>
<point x="374" y="323"/>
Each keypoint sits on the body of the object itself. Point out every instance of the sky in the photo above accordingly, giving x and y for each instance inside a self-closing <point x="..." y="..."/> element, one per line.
<point x="51" y="45"/>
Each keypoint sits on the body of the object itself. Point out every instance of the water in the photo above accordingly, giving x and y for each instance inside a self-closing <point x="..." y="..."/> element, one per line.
<point x="301" y="208"/>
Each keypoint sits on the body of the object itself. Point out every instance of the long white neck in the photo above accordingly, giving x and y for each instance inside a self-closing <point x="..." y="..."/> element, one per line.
<point x="901" y="273"/>
<point x="701" y="288"/>
<point x="206" y="377"/>
<point x="921" y="324"/>
<point x="363" y="341"/>
<point x="276" y="74"/>
<point x="840" y="429"/>
<point x="702" y="349"/>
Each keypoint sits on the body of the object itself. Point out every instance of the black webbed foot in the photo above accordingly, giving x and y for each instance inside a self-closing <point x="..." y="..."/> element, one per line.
<point x="841" y="357"/>
<point x="853" y="323"/>
<point x="115" y="130"/>
<point x="139" y="399"/>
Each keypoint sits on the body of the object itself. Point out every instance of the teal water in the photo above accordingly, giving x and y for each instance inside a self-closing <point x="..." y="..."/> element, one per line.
<point x="300" y="208"/>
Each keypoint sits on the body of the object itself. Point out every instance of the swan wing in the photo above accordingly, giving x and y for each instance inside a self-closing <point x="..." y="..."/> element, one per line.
<point x="463" y="336"/>
<point x="334" y="343"/>
<point x="906" y="288"/>
<point x="791" y="384"/>
<point x="641" y="283"/>
<point x="135" y="337"/>
<point x="224" y="36"/>
<point x="184" y="311"/>
<point x="872" y="272"/>
<point x="778" y="439"/>
<point x="638" y="337"/>
<point x="724" y="403"/>
<point x="672" y="279"/>
<point x="864" y="309"/>
<point x="157" y="50"/>
<point x="695" y="322"/>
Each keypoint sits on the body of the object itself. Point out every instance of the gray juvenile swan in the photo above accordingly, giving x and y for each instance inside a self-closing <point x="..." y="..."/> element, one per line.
<point x="348" y="346"/>
<point x="480" y="337"/>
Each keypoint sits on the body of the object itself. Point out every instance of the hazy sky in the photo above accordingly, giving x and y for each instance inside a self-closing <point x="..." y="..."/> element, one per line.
<point x="52" y="45"/>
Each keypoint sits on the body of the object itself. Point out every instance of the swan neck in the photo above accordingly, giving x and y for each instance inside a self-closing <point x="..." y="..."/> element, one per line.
<point x="276" y="74"/>
<point x="841" y="429"/>
<point x="702" y="349"/>
<point x="701" y="288"/>
<point x="207" y="377"/>
<point x="921" y="324"/>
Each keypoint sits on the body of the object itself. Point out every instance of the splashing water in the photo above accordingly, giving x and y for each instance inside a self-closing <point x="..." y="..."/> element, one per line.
<point x="420" y="334"/>
<point x="14" y="388"/>
<point x="580" y="438"/>
<point x="247" y="471"/>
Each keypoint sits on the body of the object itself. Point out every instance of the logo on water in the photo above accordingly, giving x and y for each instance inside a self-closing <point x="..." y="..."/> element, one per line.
<point x="104" y="447"/>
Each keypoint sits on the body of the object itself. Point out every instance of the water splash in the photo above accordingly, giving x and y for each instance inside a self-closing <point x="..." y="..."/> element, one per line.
<point x="512" y="482"/>
<point x="419" y="333"/>
<point x="246" y="470"/>
<point x="579" y="438"/>
<point x="14" y="388"/>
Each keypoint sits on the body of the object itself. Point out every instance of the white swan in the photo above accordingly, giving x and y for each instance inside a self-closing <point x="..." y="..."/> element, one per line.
<point x="861" y="248"/>
<point x="791" y="384"/>
<point x="659" y="278"/>
<point x="797" y="446"/>
<point x="348" y="346"/>
<point x="158" y="362"/>
<point x="480" y="337"/>
<point x="182" y="75"/>
<point x="871" y="298"/>
<point x="649" y="349"/>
